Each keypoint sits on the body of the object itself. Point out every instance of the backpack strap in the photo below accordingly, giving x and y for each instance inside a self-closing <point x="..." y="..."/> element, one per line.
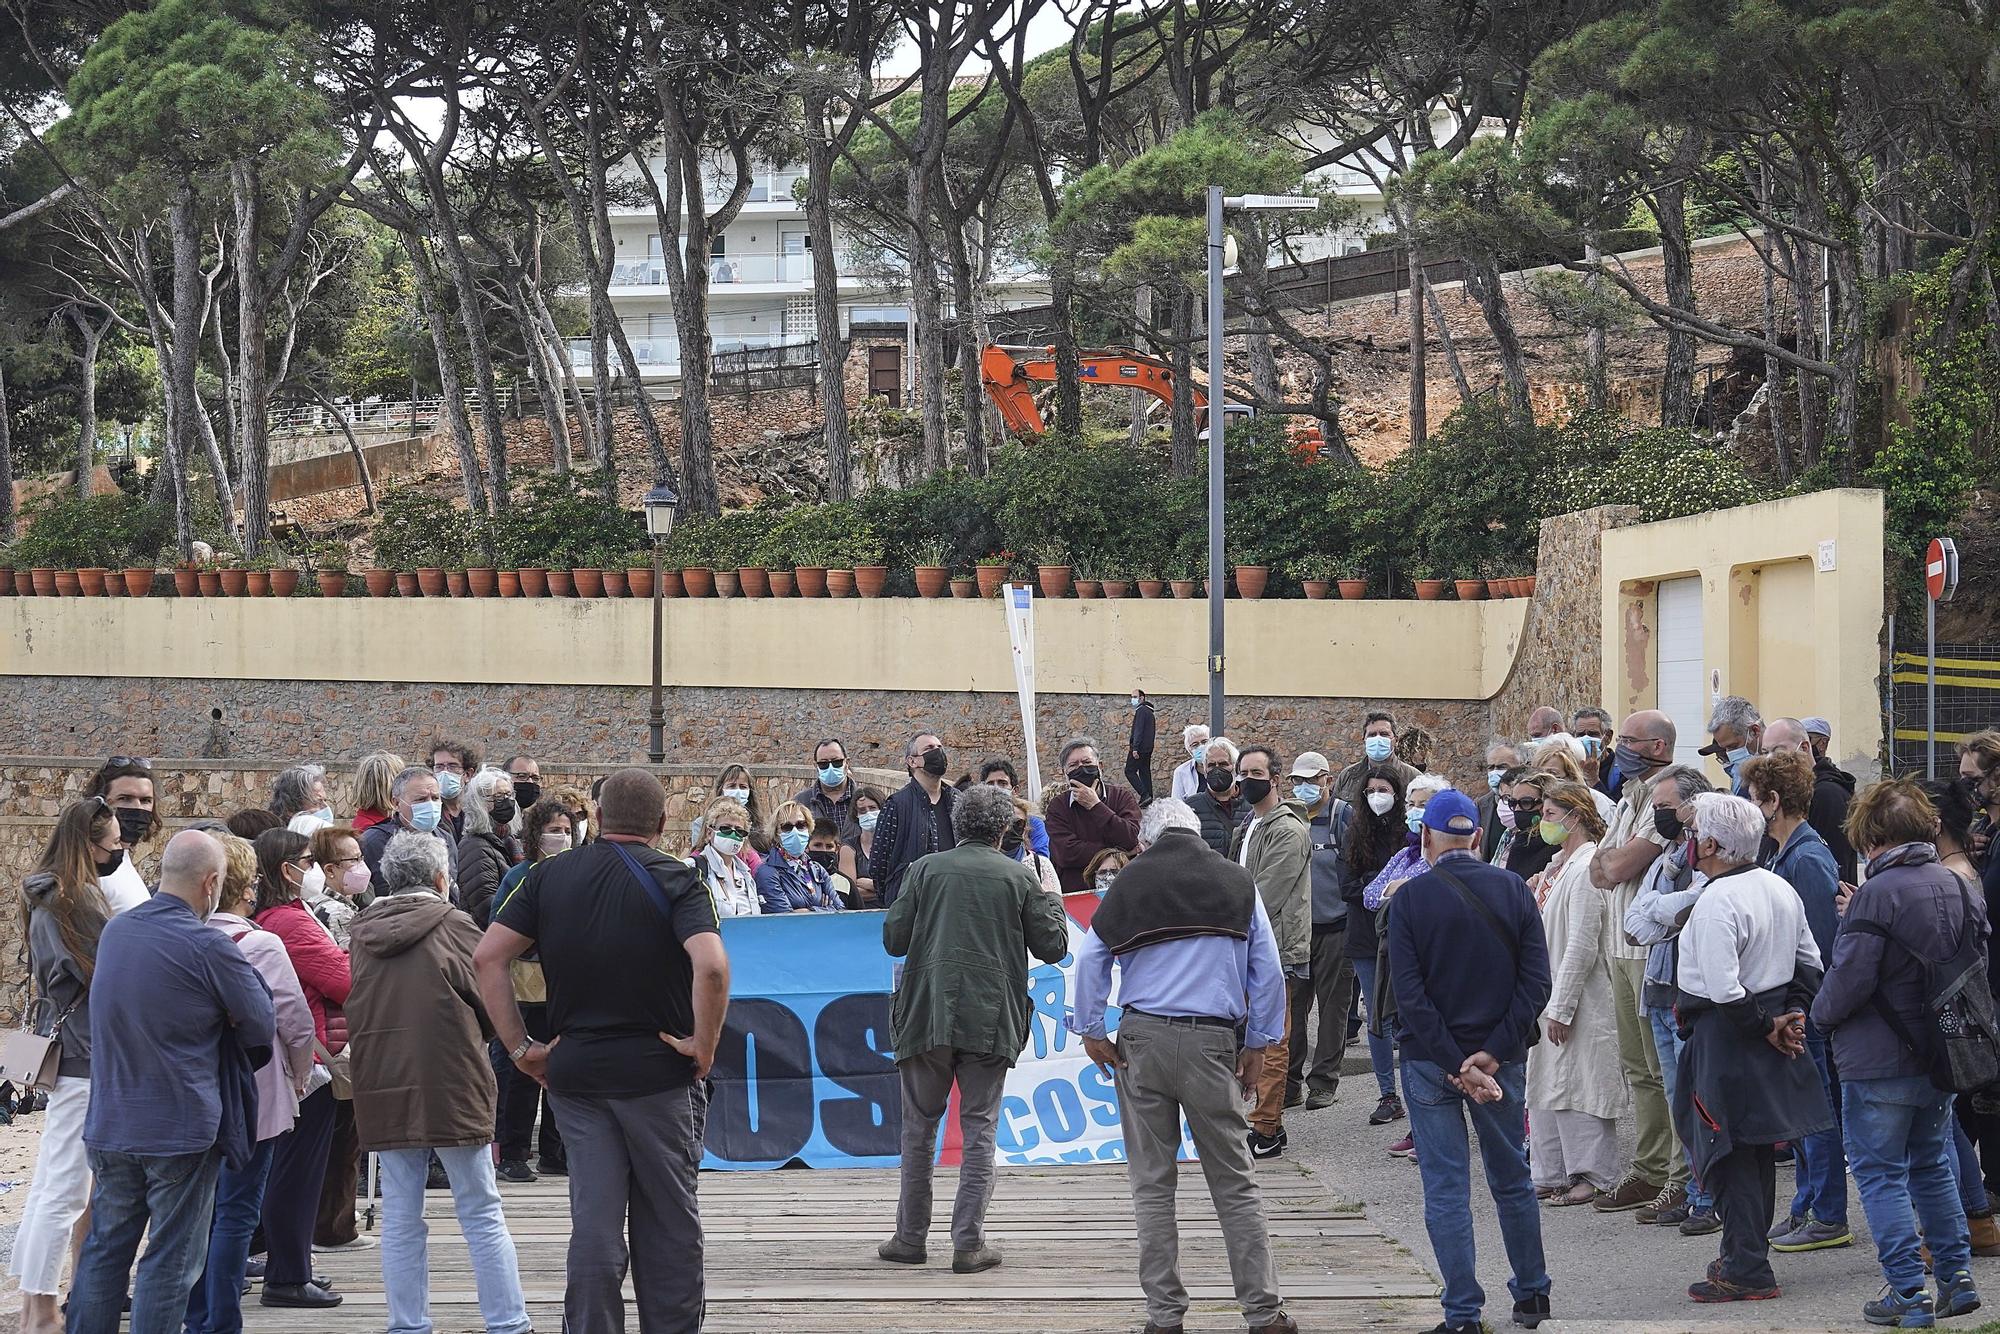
<point x="645" y="878"/>
<point x="1486" y="914"/>
<point x="1926" y="1050"/>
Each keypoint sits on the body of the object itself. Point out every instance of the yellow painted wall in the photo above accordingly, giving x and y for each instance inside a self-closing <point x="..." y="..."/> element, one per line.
<point x="1371" y="649"/>
<point x="1791" y="637"/>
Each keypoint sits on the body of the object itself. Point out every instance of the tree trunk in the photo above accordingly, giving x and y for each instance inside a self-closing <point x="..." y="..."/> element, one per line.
<point x="1186" y="449"/>
<point x="1419" y="347"/>
<point x="1484" y="281"/>
<point x="216" y="465"/>
<point x="1677" y="405"/>
<point x="1254" y="258"/>
<point x="451" y="392"/>
<point x="6" y="463"/>
<point x="252" y="391"/>
<point x="971" y="393"/>
<point x="830" y="374"/>
<point x="1445" y="340"/>
<point x="472" y="319"/>
<point x="1069" y="363"/>
<point x="1596" y="365"/>
<point x="353" y="445"/>
<point x="1852" y="356"/>
<point x="1141" y="401"/>
<point x="579" y="411"/>
<point x="185" y="224"/>
<point x="929" y="319"/>
<point x="605" y="453"/>
<point x="536" y="349"/>
<point x="225" y="371"/>
<point x="86" y="408"/>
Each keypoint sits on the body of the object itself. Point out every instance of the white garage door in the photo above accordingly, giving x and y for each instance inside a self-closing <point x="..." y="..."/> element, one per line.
<point x="1683" y="679"/>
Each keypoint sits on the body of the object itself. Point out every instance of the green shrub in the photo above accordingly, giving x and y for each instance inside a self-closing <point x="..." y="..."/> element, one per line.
<point x="558" y="520"/>
<point x="417" y="530"/>
<point x="68" y="532"/>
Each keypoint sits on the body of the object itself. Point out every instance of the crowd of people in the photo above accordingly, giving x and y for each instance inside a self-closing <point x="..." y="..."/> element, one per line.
<point x="481" y="980"/>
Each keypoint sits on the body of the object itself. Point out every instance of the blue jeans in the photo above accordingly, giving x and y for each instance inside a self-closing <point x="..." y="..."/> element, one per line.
<point x="1437" y="1119"/>
<point x="1822" y="1163"/>
<point x="1381" y="1054"/>
<point x="1667" y="1041"/>
<point x="475" y="1197"/>
<point x="1965" y="1166"/>
<point x="1897" y="1144"/>
<point x="215" y="1306"/>
<point x="171" y="1197"/>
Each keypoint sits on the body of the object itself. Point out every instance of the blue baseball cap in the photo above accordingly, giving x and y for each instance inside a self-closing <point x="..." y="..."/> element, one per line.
<point x="1451" y="812"/>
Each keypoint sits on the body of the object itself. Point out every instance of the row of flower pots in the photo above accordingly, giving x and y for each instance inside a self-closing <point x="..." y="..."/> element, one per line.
<point x="1473" y="590"/>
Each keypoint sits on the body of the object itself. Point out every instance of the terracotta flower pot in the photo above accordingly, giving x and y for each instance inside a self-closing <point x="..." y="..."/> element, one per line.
<point x="332" y="583"/>
<point x="840" y="583"/>
<point x="457" y="583"/>
<point x="931" y="580"/>
<point x="1118" y="588"/>
<point x="728" y="584"/>
<point x="1152" y="588"/>
<point x="209" y="583"/>
<point x="406" y="584"/>
<point x="811" y="580"/>
<point x="257" y="583"/>
<point x="1089" y="588"/>
<point x="284" y="582"/>
<point x="965" y="586"/>
<point x="784" y="584"/>
<point x="561" y="584"/>
<point x="187" y="583"/>
<point x="1317" y="589"/>
<point x="1183" y="588"/>
<point x="1528" y="586"/>
<point x="483" y="581"/>
<point x="672" y="584"/>
<point x="639" y="580"/>
<point x="91" y="581"/>
<point x="1470" y="590"/>
<point x="6" y="581"/>
<point x="589" y="583"/>
<point x="378" y="582"/>
<point x="68" y="585"/>
<point x="1054" y="580"/>
<point x="235" y="583"/>
<point x="1251" y="580"/>
<point x="534" y="581"/>
<point x="1353" y="590"/>
<point x="507" y="583"/>
<point x="43" y="579"/>
<point x="1429" y="590"/>
<point x="870" y="580"/>
<point x="699" y="581"/>
<point x="614" y="584"/>
<point x="431" y="582"/>
<point x="138" y="583"/>
<point x="755" y="581"/>
<point x="991" y="577"/>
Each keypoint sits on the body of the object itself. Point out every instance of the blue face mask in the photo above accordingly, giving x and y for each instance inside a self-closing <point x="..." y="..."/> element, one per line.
<point x="867" y="820"/>
<point x="1493" y="779"/>
<point x="1414" y="818"/>
<point x="794" y="841"/>
<point x="1307" y="792"/>
<point x="1734" y="757"/>
<point x="1591" y="745"/>
<point x="1377" y="748"/>
<point x="832" y="775"/>
<point x="424" y="815"/>
<point x="449" y="784"/>
<point x="323" y="813"/>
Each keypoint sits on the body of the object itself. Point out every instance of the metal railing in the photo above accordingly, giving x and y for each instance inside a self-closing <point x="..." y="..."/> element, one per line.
<point x="410" y="415"/>
<point x="723" y="271"/>
<point x="1968" y="701"/>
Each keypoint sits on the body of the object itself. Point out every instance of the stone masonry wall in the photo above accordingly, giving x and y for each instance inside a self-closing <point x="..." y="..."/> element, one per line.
<point x="1562" y="643"/>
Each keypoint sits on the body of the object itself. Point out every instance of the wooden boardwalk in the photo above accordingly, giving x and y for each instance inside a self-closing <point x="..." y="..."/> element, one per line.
<point x="795" y="1251"/>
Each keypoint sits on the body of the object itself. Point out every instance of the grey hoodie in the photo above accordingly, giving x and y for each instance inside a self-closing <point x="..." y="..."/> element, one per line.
<point x="59" y="976"/>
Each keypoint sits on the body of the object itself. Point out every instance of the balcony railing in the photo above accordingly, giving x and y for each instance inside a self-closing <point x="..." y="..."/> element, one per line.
<point x="661" y="354"/>
<point x="723" y="271"/>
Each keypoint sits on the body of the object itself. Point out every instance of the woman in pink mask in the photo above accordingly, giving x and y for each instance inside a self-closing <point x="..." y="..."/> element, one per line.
<point x="335" y="879"/>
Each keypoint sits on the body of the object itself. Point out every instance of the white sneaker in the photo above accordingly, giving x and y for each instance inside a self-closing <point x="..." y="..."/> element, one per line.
<point x="362" y="1241"/>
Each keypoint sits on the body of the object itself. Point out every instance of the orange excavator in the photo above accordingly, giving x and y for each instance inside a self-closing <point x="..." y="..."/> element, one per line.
<point x="1008" y="373"/>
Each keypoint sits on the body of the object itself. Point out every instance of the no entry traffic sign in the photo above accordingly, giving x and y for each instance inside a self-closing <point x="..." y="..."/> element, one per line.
<point x="1941" y="569"/>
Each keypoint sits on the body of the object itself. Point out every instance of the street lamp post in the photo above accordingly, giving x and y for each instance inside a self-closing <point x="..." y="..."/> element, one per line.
<point x="1218" y="203"/>
<point x="661" y="502"/>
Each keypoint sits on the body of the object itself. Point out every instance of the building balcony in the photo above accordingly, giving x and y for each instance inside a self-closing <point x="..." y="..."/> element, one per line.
<point x="659" y="355"/>
<point x="723" y="271"/>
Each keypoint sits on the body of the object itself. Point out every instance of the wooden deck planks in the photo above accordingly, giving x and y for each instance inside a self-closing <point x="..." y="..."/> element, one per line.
<point x="795" y="1251"/>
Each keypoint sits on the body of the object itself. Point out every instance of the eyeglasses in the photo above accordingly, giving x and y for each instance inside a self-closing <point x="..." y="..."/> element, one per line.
<point x="128" y="762"/>
<point x="1531" y="805"/>
<point x="795" y="827"/>
<point x="341" y="861"/>
<point x="731" y="831"/>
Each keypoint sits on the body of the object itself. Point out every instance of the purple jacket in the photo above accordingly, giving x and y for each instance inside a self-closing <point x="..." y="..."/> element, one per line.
<point x="1911" y="898"/>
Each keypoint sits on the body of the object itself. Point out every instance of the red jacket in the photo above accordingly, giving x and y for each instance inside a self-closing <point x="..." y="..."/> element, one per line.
<point x="1076" y="835"/>
<point x="320" y="964"/>
<point x="367" y="819"/>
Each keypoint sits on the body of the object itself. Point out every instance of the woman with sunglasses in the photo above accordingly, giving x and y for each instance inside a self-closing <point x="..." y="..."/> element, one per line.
<point x="1521" y="849"/>
<point x="63" y="910"/>
<point x="736" y="784"/>
<point x="789" y="880"/>
<point x="299" y="1159"/>
<point x="718" y="859"/>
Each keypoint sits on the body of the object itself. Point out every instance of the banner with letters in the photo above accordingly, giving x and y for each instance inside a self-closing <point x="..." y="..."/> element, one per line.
<point x="805" y="1072"/>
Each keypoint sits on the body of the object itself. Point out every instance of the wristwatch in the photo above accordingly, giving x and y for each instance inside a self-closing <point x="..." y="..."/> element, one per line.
<point x="522" y="1050"/>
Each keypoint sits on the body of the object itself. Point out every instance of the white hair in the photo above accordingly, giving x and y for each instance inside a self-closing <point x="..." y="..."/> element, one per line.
<point x="413" y="861"/>
<point x="1193" y="731"/>
<point x="1166" y="813"/>
<point x="1228" y="745"/>
<point x="1734" y="825"/>
<point x="479" y="798"/>
<point x="1734" y="711"/>
<point x="1426" y="785"/>
<point x="1564" y="740"/>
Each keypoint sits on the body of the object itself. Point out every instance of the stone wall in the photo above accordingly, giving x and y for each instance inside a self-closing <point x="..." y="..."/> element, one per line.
<point x="1559" y="662"/>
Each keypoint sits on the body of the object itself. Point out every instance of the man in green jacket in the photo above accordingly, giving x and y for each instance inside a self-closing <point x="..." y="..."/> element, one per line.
<point x="966" y="919"/>
<point x="1276" y="848"/>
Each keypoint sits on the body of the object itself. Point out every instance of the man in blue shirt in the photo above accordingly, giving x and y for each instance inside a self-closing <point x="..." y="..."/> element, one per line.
<point x="1203" y="994"/>
<point x="178" y="1020"/>
<point x="1470" y="967"/>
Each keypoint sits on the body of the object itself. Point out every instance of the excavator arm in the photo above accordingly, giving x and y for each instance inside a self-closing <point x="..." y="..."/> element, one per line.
<point x="1007" y="375"/>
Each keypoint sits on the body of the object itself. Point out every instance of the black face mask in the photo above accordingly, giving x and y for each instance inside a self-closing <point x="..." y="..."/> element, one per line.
<point x="134" y="824"/>
<point x="1219" y="780"/>
<point x="1669" y="824"/>
<point x="1085" y="774"/>
<point x="1256" y="789"/>
<point x="503" y="809"/>
<point x="108" y="865"/>
<point x="936" y="762"/>
<point x="823" y="858"/>
<point x="1010" y="842"/>
<point x="527" y="792"/>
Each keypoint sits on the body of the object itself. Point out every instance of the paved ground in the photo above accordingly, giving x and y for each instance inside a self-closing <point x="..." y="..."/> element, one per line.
<point x="1610" y="1274"/>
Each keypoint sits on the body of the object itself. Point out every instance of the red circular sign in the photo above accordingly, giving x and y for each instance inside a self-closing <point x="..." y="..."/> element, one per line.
<point x="1935" y="566"/>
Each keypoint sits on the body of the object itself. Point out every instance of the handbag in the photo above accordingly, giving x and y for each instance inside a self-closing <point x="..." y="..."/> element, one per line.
<point x="29" y="1059"/>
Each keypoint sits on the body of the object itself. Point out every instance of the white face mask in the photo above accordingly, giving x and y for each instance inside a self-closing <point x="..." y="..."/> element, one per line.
<point x="739" y="795"/>
<point x="314" y="883"/>
<point x="1381" y="802"/>
<point x="726" y="845"/>
<point x="554" y="843"/>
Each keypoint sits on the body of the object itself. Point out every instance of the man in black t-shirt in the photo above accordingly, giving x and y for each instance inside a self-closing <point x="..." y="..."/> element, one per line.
<point x="638" y="983"/>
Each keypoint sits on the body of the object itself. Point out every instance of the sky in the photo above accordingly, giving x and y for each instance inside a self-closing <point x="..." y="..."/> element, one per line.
<point x="1049" y="28"/>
